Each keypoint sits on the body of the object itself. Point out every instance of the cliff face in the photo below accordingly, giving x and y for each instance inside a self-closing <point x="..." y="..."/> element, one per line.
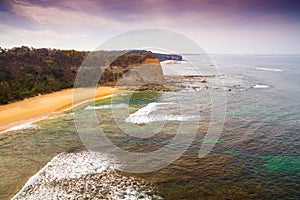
<point x="133" y="70"/>
<point x="26" y="72"/>
<point x="144" y="74"/>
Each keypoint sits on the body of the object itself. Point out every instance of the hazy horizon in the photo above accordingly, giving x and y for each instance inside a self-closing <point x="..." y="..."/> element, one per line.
<point x="186" y="53"/>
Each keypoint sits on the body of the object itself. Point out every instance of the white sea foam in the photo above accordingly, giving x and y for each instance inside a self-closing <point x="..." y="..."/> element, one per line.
<point x="121" y="105"/>
<point x="69" y="166"/>
<point x="268" y="69"/>
<point x="86" y="101"/>
<point x="145" y="116"/>
<point x="22" y="126"/>
<point x="26" y="125"/>
<point x="83" y="175"/>
<point x="261" y="86"/>
<point x="147" y="119"/>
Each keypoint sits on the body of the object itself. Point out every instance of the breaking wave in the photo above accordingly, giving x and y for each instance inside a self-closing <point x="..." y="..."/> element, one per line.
<point x="268" y="69"/>
<point x="122" y="105"/>
<point x="258" y="86"/>
<point x="83" y="175"/>
<point x="145" y="116"/>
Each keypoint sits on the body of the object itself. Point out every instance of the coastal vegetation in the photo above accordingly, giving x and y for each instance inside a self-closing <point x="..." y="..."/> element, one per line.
<point x="27" y="72"/>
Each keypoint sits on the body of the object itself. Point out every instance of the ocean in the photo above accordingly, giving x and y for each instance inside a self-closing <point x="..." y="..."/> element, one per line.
<point x="253" y="100"/>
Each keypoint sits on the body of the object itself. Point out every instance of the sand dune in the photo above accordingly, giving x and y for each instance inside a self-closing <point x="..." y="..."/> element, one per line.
<point x="45" y="105"/>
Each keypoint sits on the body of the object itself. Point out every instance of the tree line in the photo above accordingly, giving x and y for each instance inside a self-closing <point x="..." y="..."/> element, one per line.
<point x="27" y="72"/>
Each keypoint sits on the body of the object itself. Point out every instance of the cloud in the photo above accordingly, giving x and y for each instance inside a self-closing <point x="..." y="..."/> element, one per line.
<point x="64" y="20"/>
<point x="117" y="13"/>
<point x="219" y="25"/>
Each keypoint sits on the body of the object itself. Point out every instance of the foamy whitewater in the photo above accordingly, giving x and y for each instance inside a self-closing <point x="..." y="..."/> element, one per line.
<point x="22" y="126"/>
<point x="258" y="86"/>
<point x="110" y="106"/>
<point x="27" y="125"/>
<point x="145" y="116"/>
<point x="84" y="175"/>
<point x="268" y="69"/>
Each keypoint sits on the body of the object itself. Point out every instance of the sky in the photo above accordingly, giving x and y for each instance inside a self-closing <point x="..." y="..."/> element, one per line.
<point x="218" y="26"/>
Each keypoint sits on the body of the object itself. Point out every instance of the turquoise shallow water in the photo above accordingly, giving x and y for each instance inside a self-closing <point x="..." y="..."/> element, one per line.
<point x="256" y="157"/>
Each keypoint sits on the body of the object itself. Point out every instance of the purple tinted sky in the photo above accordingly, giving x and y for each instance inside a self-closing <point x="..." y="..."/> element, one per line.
<point x="229" y="26"/>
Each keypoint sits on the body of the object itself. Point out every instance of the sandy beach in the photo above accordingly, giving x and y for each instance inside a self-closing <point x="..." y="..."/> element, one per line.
<point x="35" y="108"/>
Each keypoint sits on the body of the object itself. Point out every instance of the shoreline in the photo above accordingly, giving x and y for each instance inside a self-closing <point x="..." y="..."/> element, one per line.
<point x="23" y="113"/>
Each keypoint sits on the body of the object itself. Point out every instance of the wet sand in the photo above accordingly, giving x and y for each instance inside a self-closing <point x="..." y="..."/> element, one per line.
<point x="41" y="106"/>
